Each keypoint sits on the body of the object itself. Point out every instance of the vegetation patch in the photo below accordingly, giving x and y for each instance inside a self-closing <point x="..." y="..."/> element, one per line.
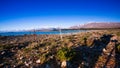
<point x="65" y="54"/>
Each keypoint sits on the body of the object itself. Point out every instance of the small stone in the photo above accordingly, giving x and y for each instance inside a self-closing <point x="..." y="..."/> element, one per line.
<point x="112" y="55"/>
<point x="38" y="61"/>
<point x="26" y="64"/>
<point x="52" y="56"/>
<point x="47" y="66"/>
<point x="87" y="64"/>
<point x="30" y="62"/>
<point x="108" y="53"/>
<point x="64" y="64"/>
<point x="104" y="50"/>
<point x="3" y="52"/>
<point x="21" y="57"/>
<point x="82" y="63"/>
<point x="14" y="66"/>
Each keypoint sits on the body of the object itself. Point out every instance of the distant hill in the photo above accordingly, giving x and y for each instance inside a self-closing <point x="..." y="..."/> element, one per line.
<point x="45" y="29"/>
<point x="97" y="25"/>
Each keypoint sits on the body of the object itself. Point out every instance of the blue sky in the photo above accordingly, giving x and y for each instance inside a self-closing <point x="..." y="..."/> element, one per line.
<point x="33" y="14"/>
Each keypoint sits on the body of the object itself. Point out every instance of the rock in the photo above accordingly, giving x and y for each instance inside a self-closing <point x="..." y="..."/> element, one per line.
<point x="14" y="66"/>
<point x="38" y="61"/>
<point x="104" y="50"/>
<point x="26" y="64"/>
<point x="52" y="56"/>
<point x="21" y="57"/>
<point x="30" y="62"/>
<point x="82" y="63"/>
<point x="47" y="66"/>
<point x="64" y="64"/>
<point x="86" y="64"/>
<point x="3" y="52"/>
<point x="58" y="63"/>
<point x="108" y="54"/>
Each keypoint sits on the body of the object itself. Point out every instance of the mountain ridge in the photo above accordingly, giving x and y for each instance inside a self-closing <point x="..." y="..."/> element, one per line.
<point x="97" y="25"/>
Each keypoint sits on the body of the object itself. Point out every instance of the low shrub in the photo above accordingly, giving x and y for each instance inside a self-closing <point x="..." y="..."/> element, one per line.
<point x="118" y="48"/>
<point x="65" y="54"/>
<point x="118" y="34"/>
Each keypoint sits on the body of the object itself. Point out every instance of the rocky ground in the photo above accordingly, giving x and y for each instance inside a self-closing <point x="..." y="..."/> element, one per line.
<point x="92" y="49"/>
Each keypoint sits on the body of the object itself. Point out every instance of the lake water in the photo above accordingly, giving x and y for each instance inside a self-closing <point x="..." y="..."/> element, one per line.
<point x="40" y="32"/>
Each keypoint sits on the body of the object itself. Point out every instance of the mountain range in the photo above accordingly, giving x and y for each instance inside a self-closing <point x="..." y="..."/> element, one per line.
<point x="97" y="25"/>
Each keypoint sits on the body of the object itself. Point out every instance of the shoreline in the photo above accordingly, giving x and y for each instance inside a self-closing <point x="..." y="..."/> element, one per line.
<point x="58" y="33"/>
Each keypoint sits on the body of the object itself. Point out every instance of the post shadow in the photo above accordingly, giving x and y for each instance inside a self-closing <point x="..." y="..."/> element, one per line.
<point x="117" y="56"/>
<point x="90" y="55"/>
<point x="85" y="41"/>
<point x="112" y="52"/>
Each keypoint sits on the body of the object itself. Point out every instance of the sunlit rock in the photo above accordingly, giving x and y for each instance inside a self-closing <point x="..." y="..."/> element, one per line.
<point x="3" y="52"/>
<point x="108" y="53"/>
<point x="26" y="63"/>
<point x="52" y="56"/>
<point x="104" y="50"/>
<point x="64" y="64"/>
<point x="38" y="61"/>
<point x="21" y="57"/>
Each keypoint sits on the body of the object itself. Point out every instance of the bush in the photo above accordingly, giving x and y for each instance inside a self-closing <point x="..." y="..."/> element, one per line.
<point x="118" y="48"/>
<point x="118" y="34"/>
<point x="65" y="54"/>
<point x="27" y="50"/>
<point x="2" y="47"/>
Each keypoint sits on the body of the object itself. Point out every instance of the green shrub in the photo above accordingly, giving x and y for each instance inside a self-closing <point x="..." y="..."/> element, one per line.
<point x="118" y="48"/>
<point x="27" y="50"/>
<point x="65" y="54"/>
<point x="2" y="47"/>
<point x="118" y="34"/>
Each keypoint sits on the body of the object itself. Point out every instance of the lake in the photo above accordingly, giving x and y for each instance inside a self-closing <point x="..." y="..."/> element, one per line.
<point x="39" y="32"/>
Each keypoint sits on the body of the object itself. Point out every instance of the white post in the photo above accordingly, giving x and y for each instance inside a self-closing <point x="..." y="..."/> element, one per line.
<point x="34" y="34"/>
<point x="60" y="34"/>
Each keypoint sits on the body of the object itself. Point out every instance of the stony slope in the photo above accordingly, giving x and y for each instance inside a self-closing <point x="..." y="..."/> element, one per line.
<point x="102" y="47"/>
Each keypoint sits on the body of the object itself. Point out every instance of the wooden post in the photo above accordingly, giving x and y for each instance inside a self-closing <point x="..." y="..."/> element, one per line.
<point x="34" y="35"/>
<point x="60" y="34"/>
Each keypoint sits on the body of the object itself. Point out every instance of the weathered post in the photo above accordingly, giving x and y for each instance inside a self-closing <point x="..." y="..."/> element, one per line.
<point x="60" y="34"/>
<point x="34" y="35"/>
